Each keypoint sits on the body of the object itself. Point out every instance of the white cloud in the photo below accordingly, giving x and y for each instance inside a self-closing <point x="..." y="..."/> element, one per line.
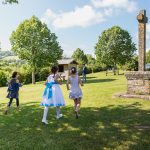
<point x="128" y="5"/>
<point x="81" y="17"/>
<point x="94" y="13"/>
<point x="108" y="12"/>
<point x="49" y="15"/>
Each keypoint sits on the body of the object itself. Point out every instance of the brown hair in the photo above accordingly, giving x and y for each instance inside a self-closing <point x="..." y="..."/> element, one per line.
<point x="73" y="70"/>
<point x="54" y="69"/>
<point x="14" y="74"/>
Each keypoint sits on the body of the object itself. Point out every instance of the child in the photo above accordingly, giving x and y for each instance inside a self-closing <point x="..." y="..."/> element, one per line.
<point x="13" y="90"/>
<point x="75" y="90"/>
<point x="52" y="95"/>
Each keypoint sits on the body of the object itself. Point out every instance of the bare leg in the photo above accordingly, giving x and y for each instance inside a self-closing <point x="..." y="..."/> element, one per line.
<point x="75" y="104"/>
<point x="78" y="104"/>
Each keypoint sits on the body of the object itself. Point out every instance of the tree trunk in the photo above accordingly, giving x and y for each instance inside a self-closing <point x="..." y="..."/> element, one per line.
<point x="33" y="76"/>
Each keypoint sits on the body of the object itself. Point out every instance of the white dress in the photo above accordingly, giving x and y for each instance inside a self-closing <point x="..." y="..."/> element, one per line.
<point x="52" y="95"/>
<point x="75" y="90"/>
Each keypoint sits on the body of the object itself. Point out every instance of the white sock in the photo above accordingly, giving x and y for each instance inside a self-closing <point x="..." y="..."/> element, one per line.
<point x="45" y="114"/>
<point x="57" y="110"/>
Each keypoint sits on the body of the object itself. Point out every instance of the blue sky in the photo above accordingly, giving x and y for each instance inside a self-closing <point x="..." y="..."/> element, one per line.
<point x="77" y="23"/>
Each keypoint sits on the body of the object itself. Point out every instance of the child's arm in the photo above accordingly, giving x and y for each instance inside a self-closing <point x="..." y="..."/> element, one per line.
<point x="80" y="82"/>
<point x="45" y="82"/>
<point x="19" y="84"/>
<point x="56" y="79"/>
<point x="67" y="84"/>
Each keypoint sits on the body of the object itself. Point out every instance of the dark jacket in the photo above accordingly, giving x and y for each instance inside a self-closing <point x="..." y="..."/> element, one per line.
<point x="13" y="88"/>
<point x="84" y="70"/>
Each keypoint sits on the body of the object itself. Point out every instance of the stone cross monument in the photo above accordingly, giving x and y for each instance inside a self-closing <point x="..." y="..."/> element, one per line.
<point x="142" y="19"/>
<point x="138" y="82"/>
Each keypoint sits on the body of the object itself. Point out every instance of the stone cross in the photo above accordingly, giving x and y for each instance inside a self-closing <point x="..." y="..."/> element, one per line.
<point x="142" y="19"/>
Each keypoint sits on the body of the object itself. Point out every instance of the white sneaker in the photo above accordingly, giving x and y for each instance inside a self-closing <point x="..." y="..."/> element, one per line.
<point x="44" y="122"/>
<point x="59" y="116"/>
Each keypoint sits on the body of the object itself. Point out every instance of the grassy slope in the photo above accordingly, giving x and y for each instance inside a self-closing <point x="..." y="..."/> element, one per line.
<point x="105" y="123"/>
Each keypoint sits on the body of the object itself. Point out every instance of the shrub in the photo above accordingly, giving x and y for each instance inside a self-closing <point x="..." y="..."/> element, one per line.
<point x="3" y="78"/>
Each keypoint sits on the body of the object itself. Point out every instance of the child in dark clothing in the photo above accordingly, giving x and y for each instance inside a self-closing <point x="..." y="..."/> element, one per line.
<point x="13" y="90"/>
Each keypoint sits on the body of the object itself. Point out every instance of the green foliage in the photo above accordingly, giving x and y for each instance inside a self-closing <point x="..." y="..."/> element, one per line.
<point x="79" y="56"/>
<point x="132" y="65"/>
<point x="148" y="57"/>
<point x="91" y="62"/>
<point x="34" y="42"/>
<point x="26" y="72"/>
<point x="3" y="78"/>
<point x="114" y="47"/>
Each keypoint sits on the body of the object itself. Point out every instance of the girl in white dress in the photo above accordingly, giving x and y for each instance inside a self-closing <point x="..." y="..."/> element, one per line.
<point x="75" y="91"/>
<point x="52" y="96"/>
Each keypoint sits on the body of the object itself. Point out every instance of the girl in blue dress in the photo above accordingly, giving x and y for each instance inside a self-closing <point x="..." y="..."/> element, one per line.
<point x="52" y="96"/>
<point x="13" y="90"/>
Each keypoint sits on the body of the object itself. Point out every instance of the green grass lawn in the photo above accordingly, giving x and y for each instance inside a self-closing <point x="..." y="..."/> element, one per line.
<point x="105" y="123"/>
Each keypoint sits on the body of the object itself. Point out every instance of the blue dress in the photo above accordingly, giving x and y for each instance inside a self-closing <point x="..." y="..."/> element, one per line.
<point x="13" y="88"/>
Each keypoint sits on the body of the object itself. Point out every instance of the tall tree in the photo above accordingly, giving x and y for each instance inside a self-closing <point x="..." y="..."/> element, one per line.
<point x="114" y="47"/>
<point x="34" y="42"/>
<point x="79" y="56"/>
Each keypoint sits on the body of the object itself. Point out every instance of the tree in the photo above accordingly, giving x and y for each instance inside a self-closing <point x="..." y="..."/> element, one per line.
<point x="10" y="1"/>
<point x="79" y="56"/>
<point x="148" y="57"/>
<point x="114" y="47"/>
<point x="91" y="62"/>
<point x="34" y="42"/>
<point x="132" y="65"/>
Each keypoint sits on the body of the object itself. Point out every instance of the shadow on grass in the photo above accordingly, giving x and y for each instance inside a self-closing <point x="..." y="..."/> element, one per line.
<point x="99" y="80"/>
<point x="90" y="77"/>
<point x="110" y="127"/>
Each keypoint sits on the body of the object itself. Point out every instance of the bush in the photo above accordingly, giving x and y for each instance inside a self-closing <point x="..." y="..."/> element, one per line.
<point x="42" y="74"/>
<point x="25" y="77"/>
<point x="26" y="74"/>
<point x="3" y="79"/>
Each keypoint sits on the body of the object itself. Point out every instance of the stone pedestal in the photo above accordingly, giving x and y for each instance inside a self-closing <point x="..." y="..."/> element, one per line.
<point x="138" y="82"/>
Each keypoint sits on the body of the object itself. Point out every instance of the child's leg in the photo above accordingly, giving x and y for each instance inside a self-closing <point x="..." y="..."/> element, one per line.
<point x="78" y="104"/>
<point x="17" y="102"/>
<point x="8" y="105"/>
<point x="58" y="112"/>
<point x="45" y="114"/>
<point x="10" y="102"/>
<point x="75" y="104"/>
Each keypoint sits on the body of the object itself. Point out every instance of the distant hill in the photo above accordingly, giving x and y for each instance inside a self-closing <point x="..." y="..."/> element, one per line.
<point x="4" y="54"/>
<point x="10" y="58"/>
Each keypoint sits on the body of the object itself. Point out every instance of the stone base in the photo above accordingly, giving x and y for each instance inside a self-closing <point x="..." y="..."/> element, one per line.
<point x="125" y="95"/>
<point x="138" y="82"/>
